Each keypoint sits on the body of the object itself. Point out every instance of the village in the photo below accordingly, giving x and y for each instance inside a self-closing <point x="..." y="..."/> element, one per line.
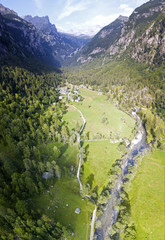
<point x="70" y="94"/>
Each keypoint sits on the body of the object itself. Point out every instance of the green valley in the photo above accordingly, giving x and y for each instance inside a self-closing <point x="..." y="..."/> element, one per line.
<point x="104" y="121"/>
<point x="82" y="120"/>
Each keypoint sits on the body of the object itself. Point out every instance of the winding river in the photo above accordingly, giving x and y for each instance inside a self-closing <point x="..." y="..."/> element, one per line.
<point x="110" y="214"/>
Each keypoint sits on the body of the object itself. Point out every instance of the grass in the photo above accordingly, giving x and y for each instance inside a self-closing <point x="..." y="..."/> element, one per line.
<point x="60" y="203"/>
<point x="147" y="197"/>
<point x="100" y="157"/>
<point x="94" y="108"/>
<point x="101" y="154"/>
<point x="72" y="118"/>
<point x="69" y="157"/>
<point x="63" y="196"/>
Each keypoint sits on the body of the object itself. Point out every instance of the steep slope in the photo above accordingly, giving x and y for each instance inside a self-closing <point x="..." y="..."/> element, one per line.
<point x="142" y="37"/>
<point x="103" y="39"/>
<point x="36" y="38"/>
<point x="62" y="45"/>
<point x="20" y="38"/>
<point x="5" y="11"/>
<point x="106" y="35"/>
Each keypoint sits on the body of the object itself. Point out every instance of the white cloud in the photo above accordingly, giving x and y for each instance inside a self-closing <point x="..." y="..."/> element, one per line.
<point x="140" y="2"/>
<point x="39" y="3"/>
<point x="71" y="7"/>
<point x="126" y="9"/>
<point x="92" y="26"/>
<point x="101" y="20"/>
<point x="94" y="23"/>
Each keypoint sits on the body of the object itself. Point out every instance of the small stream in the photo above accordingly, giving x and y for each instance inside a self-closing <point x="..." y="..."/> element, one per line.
<point x="110" y="214"/>
<point x="93" y="223"/>
<point x="78" y="175"/>
<point x="79" y="142"/>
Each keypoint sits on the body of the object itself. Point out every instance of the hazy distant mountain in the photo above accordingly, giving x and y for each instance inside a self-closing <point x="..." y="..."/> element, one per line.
<point x="63" y="45"/>
<point x="35" y="37"/>
<point x="42" y="24"/>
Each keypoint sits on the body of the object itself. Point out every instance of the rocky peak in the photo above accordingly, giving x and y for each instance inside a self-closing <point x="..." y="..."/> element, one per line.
<point x="6" y="11"/>
<point x="100" y="43"/>
<point x="42" y="24"/>
<point x="123" y="18"/>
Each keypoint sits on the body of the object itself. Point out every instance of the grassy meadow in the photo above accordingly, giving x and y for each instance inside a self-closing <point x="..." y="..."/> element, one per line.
<point x="102" y="118"/>
<point x="147" y="197"/>
<point x="63" y="197"/>
<point x="100" y="157"/>
<point x="60" y="203"/>
<point x="73" y="118"/>
<point x="100" y="154"/>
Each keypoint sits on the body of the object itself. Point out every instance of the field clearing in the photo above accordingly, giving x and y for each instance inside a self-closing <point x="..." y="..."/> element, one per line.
<point x="102" y="117"/>
<point x="73" y="118"/>
<point x="60" y="204"/>
<point x="147" y="197"/>
<point x="100" y="157"/>
<point x="63" y="196"/>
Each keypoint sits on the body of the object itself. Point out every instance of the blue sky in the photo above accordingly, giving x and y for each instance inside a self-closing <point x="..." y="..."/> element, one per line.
<point x="75" y="16"/>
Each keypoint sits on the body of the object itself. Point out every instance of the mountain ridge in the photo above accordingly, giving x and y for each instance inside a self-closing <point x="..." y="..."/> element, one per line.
<point x="141" y="37"/>
<point x="63" y="45"/>
<point x="5" y="10"/>
<point x="36" y="38"/>
<point x="144" y="28"/>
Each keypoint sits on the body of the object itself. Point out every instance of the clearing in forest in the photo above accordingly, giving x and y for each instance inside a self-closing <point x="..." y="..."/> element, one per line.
<point x="103" y="119"/>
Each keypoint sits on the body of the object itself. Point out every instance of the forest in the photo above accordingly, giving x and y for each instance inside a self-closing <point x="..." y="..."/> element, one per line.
<point x="30" y="117"/>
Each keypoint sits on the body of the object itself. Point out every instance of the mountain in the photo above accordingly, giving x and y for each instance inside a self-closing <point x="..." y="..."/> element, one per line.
<point x="18" y="38"/>
<point x="6" y="11"/>
<point x="42" y="24"/>
<point x="105" y="37"/>
<point x="35" y="38"/>
<point x="63" y="45"/>
<point x="141" y="36"/>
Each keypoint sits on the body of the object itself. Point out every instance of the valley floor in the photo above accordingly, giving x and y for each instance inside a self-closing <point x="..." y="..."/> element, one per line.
<point x="147" y="189"/>
<point x="147" y="197"/>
